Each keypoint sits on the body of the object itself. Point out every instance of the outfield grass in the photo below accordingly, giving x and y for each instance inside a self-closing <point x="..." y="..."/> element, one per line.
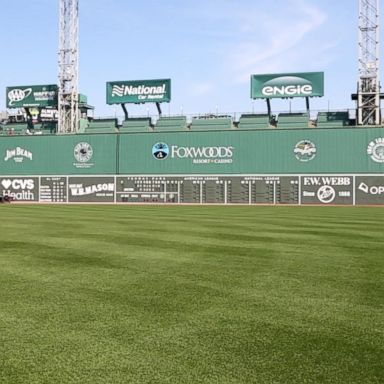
<point x="185" y="294"/>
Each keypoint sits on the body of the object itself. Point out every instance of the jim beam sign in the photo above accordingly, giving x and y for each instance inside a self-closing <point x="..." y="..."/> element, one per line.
<point x="287" y="85"/>
<point x="139" y="91"/>
<point x="327" y="190"/>
<point x="18" y="155"/>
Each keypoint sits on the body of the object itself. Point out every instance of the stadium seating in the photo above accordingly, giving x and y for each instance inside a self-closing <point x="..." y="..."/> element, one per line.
<point x="171" y="123"/>
<point x="83" y="125"/>
<point x="102" y="126"/>
<point x="254" y="121"/>
<point x="293" y="120"/>
<point x="14" y="129"/>
<point x="332" y="119"/>
<point x="138" y="124"/>
<point x="46" y="128"/>
<point x="211" y="123"/>
<point x="179" y="123"/>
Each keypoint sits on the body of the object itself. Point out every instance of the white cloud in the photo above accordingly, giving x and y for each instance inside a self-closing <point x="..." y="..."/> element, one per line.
<point x="275" y="42"/>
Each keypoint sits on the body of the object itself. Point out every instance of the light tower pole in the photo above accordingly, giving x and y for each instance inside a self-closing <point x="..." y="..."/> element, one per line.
<point x="368" y="87"/>
<point x="68" y="66"/>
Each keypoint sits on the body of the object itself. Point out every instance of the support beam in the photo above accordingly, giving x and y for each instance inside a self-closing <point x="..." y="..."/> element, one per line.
<point x="124" y="108"/>
<point x="269" y="108"/>
<point x="158" y="108"/>
<point x="68" y="67"/>
<point x="307" y="106"/>
<point x="368" y="88"/>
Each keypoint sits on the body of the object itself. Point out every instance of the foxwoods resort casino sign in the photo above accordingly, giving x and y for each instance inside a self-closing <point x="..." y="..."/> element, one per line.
<point x="198" y="155"/>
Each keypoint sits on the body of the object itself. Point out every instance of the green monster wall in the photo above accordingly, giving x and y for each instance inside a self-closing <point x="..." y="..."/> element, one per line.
<point x="309" y="166"/>
<point x="357" y="150"/>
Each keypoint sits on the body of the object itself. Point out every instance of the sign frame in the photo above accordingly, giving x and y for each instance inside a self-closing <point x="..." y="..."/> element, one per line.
<point x="25" y="96"/>
<point x="138" y="91"/>
<point x="287" y="85"/>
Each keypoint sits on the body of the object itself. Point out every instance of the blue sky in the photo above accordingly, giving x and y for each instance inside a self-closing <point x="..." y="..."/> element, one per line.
<point x="208" y="48"/>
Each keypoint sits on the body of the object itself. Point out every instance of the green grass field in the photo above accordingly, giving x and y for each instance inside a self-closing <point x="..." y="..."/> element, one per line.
<point x="191" y="294"/>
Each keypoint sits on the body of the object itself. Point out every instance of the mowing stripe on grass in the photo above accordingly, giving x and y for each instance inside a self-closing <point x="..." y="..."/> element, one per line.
<point x="191" y="294"/>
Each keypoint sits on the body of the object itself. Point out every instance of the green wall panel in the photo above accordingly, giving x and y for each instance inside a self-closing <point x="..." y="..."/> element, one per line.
<point x="58" y="155"/>
<point x="306" y="151"/>
<point x="303" y="151"/>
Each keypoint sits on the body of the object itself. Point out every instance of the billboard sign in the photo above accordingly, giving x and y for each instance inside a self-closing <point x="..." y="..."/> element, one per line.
<point x="370" y="190"/>
<point x="139" y="91"/>
<point x="21" y="188"/>
<point x="284" y="85"/>
<point x="32" y="96"/>
<point x="91" y="189"/>
<point x="327" y="189"/>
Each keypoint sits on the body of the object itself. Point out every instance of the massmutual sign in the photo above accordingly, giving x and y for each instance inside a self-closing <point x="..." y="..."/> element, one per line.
<point x="283" y="85"/>
<point x="139" y="91"/>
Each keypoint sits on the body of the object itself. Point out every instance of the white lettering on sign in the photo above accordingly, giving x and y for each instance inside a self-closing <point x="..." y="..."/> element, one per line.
<point x="327" y="180"/>
<point x="287" y="90"/>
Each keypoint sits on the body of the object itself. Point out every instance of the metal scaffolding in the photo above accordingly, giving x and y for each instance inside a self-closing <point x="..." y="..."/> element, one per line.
<point x="68" y="66"/>
<point x="368" y="88"/>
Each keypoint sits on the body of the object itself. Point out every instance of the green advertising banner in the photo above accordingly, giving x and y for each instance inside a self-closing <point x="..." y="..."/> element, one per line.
<point x="139" y="91"/>
<point x="304" y="151"/>
<point x="58" y="155"/>
<point x="284" y="85"/>
<point x="267" y="152"/>
<point x="32" y="96"/>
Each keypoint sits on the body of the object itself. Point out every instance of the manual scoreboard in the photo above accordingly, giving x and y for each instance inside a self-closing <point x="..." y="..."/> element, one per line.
<point x="197" y="189"/>
<point x="208" y="189"/>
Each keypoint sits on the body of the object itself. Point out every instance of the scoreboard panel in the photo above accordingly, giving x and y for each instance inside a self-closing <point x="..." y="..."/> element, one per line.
<point x="189" y="190"/>
<point x="140" y="189"/>
<point x="53" y="189"/>
<point x="287" y="190"/>
<point x="238" y="190"/>
<point x="208" y="189"/>
<point x="198" y="189"/>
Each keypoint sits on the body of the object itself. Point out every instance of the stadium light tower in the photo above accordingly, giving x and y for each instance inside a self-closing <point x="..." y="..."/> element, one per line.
<point x="368" y="87"/>
<point x="68" y="66"/>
